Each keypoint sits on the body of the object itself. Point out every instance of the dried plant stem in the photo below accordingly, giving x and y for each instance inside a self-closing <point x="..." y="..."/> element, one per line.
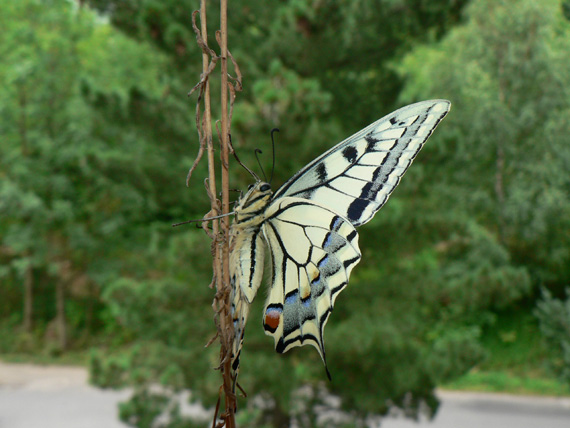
<point x="226" y="315"/>
<point x="207" y="134"/>
<point x="220" y="227"/>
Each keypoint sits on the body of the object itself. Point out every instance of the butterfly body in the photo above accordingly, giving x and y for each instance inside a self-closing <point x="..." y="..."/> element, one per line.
<point x="308" y="227"/>
<point x="247" y="254"/>
<point x="247" y="245"/>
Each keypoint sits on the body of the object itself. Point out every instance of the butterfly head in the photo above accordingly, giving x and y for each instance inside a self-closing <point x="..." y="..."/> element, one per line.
<point x="259" y="191"/>
<point x="254" y="201"/>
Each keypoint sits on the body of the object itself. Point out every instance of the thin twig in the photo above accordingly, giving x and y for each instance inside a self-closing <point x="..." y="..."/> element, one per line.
<point x="212" y="340"/>
<point x="237" y="85"/>
<point x="202" y="41"/>
<point x="220" y="227"/>
<point x="205" y="75"/>
<point x="236" y="79"/>
<point x="200" y="136"/>
<point x="217" y="407"/>
<point x="210" y="58"/>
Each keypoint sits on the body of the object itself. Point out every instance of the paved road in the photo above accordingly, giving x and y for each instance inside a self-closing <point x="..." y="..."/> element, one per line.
<point x="54" y="397"/>
<point x="59" y="397"/>
<point x="478" y="410"/>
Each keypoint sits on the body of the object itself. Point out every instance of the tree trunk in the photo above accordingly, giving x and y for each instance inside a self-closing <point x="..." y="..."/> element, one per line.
<point x="60" y="317"/>
<point x="29" y="299"/>
<point x="23" y="121"/>
<point x="500" y="191"/>
<point x="91" y="299"/>
<point x="279" y="418"/>
<point x="500" y="161"/>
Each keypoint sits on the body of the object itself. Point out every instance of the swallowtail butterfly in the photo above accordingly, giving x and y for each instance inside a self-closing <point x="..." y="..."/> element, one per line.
<point x="308" y="227"/>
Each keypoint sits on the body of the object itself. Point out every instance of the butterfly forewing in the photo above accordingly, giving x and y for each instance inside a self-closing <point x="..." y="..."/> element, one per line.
<point x="356" y="177"/>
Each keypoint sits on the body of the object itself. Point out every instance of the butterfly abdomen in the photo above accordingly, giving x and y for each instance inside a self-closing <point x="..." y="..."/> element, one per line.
<point x="247" y="244"/>
<point x="247" y="256"/>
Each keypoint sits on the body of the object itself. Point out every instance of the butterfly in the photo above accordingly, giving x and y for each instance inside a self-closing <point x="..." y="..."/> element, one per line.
<point x="307" y="227"/>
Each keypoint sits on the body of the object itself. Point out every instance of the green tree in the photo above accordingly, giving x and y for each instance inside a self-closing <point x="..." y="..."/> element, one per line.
<point x="81" y="194"/>
<point x="94" y="156"/>
<point x="502" y="160"/>
<point x="505" y="148"/>
<point x="343" y="49"/>
<point x="554" y="317"/>
<point x="400" y="358"/>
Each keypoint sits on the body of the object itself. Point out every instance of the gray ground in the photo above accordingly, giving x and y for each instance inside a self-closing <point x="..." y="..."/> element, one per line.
<point x="54" y="397"/>
<point x="59" y="397"/>
<point x="482" y="410"/>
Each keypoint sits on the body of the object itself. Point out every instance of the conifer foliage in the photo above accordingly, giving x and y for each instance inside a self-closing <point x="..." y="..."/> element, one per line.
<point x="97" y="135"/>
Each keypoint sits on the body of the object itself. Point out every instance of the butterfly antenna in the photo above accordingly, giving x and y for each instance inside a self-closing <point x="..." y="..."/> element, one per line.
<point x="253" y="174"/>
<point x="202" y="220"/>
<point x="257" y="151"/>
<point x="273" y="147"/>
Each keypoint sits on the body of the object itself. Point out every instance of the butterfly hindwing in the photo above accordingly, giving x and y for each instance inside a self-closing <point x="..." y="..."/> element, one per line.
<point x="356" y="177"/>
<point x="313" y="251"/>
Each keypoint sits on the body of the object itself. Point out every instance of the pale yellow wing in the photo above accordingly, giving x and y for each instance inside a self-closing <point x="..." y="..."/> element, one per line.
<point x="313" y="251"/>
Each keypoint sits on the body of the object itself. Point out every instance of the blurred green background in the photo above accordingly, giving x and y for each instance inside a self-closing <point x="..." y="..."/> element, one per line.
<point x="463" y="276"/>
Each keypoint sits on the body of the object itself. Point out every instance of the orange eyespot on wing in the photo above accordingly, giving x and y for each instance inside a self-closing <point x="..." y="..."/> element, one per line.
<point x="272" y="318"/>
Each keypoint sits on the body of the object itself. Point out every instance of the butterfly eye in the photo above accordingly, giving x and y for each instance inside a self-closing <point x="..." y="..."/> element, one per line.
<point x="265" y="187"/>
